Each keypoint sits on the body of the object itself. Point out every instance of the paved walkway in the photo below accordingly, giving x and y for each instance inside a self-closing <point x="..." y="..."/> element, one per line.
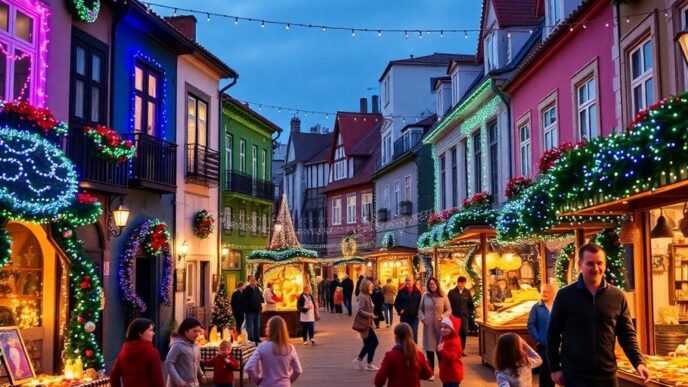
<point x="329" y="362"/>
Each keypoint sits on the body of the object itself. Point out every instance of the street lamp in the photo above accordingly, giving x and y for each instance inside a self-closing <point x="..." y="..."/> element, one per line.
<point x="119" y="217"/>
<point x="682" y="40"/>
<point x="225" y="251"/>
<point x="183" y="250"/>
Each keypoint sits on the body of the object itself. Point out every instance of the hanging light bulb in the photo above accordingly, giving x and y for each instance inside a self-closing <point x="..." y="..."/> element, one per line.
<point x="662" y="229"/>
<point x="287" y="27"/>
<point x="236" y="20"/>
<point x="262" y="24"/>
<point x="174" y="13"/>
<point x="441" y="34"/>
<point x="207" y="17"/>
<point x="353" y="33"/>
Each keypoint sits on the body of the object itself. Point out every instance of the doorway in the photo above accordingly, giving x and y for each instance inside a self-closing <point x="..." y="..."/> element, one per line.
<point x="145" y="273"/>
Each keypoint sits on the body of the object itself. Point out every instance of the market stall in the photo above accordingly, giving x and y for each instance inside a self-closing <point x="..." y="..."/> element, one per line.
<point x="287" y="266"/>
<point x="392" y="262"/>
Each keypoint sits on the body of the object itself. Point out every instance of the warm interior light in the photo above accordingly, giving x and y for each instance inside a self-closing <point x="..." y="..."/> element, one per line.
<point x="120" y="215"/>
<point x="183" y="249"/>
<point x="682" y="40"/>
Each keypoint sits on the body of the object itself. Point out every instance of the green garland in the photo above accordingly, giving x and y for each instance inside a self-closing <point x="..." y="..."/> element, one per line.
<point x="85" y="209"/>
<point x="281" y="255"/>
<point x="616" y="271"/>
<point x="561" y="265"/>
<point x="84" y="10"/>
<point x="5" y="247"/>
<point x="388" y="240"/>
<point x="475" y="277"/>
<point x="442" y="233"/>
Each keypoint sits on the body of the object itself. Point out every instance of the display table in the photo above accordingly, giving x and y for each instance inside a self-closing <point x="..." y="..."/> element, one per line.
<point x="47" y="381"/>
<point x="240" y="352"/>
<point x="291" y="317"/>
<point x="489" y="333"/>
<point x="664" y="370"/>
<point x="627" y="379"/>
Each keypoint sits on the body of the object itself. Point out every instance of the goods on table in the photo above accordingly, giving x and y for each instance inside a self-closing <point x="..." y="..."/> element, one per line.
<point x="666" y="369"/>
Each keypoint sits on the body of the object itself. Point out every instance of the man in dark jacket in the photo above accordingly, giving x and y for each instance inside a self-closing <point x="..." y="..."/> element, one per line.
<point x="253" y="300"/>
<point x="357" y="290"/>
<point x="238" y="306"/>
<point x="586" y="319"/>
<point x="407" y="304"/>
<point x="537" y="329"/>
<point x="333" y="287"/>
<point x="462" y="307"/>
<point x="348" y="290"/>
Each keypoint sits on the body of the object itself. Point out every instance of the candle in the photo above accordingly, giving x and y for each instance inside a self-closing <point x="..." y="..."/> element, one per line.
<point x="78" y="368"/>
<point x="69" y="370"/>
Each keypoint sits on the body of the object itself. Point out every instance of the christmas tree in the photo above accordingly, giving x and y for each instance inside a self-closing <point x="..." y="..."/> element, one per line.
<point x="283" y="234"/>
<point x="222" y="312"/>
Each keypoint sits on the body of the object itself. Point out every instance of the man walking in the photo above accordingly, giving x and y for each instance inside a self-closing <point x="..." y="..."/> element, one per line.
<point x="390" y="292"/>
<point x="407" y="304"/>
<point x="333" y="287"/>
<point x="238" y="306"/>
<point x="587" y="317"/>
<point x="537" y="329"/>
<point x="348" y="289"/>
<point x="462" y="307"/>
<point x="253" y="300"/>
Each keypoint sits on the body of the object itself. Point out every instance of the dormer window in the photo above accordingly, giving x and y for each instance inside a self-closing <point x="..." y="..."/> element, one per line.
<point x="491" y="52"/>
<point x="553" y="14"/>
<point x="340" y="171"/>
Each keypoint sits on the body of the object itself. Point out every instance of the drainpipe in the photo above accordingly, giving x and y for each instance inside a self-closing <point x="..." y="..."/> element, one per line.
<point x="221" y="98"/>
<point x="507" y="101"/>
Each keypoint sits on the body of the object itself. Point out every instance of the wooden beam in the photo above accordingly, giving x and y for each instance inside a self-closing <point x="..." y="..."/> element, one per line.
<point x="483" y="253"/>
<point x="543" y="263"/>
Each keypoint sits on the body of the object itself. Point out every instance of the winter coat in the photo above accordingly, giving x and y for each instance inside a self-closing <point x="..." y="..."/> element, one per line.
<point x="451" y="362"/>
<point x="507" y="377"/>
<point x="378" y="299"/>
<point x="237" y="303"/>
<point x="407" y="301"/>
<point x="338" y="298"/>
<point x="348" y="287"/>
<point x="390" y="291"/>
<point x="357" y="290"/>
<point x="274" y="370"/>
<point x="223" y="368"/>
<point x="365" y="307"/>
<point x="253" y="299"/>
<point x="183" y="362"/>
<point x="397" y="373"/>
<point x="137" y="365"/>
<point x="271" y="299"/>
<point x="430" y="313"/>
<point x="537" y="323"/>
<point x="461" y="302"/>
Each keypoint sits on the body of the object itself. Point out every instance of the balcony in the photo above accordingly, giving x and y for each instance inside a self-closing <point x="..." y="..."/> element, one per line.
<point x="243" y="183"/>
<point x="406" y="143"/>
<point x="154" y="166"/>
<point x="202" y="165"/>
<point x="94" y="172"/>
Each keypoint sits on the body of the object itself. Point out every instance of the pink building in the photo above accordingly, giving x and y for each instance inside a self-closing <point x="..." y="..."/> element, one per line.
<point x="563" y="90"/>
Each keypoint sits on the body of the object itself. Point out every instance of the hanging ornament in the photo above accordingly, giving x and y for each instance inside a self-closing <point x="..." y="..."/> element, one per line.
<point x="88" y="353"/>
<point x="67" y="233"/>
<point x="80" y="319"/>
<point x="629" y="232"/>
<point x="90" y="326"/>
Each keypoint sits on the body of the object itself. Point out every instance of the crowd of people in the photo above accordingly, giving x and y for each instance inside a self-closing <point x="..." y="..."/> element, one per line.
<point x="574" y="330"/>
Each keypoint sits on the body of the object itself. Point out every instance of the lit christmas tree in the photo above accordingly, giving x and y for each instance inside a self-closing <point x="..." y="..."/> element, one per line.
<point x="283" y="234"/>
<point x="222" y="311"/>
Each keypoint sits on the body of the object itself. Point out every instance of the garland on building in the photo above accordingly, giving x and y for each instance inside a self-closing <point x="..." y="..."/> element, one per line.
<point x="21" y="115"/>
<point x="479" y="201"/>
<point x="442" y="233"/>
<point x="107" y="144"/>
<point x="153" y="237"/>
<point x="288" y="255"/>
<point x="442" y="216"/>
<point x="516" y="186"/>
<point x="615" y="274"/>
<point x="475" y="277"/>
<point x="203" y="224"/>
<point x="85" y="209"/>
<point x="561" y="265"/>
<point x="5" y="247"/>
<point x="84" y="10"/>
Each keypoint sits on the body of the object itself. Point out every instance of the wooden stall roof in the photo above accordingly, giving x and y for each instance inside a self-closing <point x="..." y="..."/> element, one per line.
<point x="589" y="228"/>
<point x="396" y="251"/>
<point x="473" y="233"/>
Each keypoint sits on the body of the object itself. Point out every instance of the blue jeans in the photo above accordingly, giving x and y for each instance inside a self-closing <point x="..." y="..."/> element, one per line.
<point x="413" y="322"/>
<point x="307" y="330"/>
<point x="450" y="384"/>
<point x="388" y="312"/>
<point x="369" y="345"/>
<point x="347" y="303"/>
<point x="224" y="384"/>
<point x="253" y="327"/>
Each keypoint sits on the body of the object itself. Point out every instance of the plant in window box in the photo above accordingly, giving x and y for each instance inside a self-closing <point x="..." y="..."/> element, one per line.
<point x="479" y="200"/>
<point x="107" y="144"/>
<point x="405" y="207"/>
<point x="382" y="214"/>
<point x="516" y="186"/>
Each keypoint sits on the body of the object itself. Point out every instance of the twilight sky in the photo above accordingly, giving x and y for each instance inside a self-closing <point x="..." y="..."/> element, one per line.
<point x="322" y="71"/>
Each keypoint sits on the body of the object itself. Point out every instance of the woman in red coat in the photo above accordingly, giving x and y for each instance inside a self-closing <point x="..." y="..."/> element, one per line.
<point x="404" y="365"/>
<point x="138" y="363"/>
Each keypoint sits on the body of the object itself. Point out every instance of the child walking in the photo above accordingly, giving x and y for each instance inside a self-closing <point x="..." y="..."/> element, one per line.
<point x="275" y="362"/>
<point x="338" y="301"/>
<point x="183" y="360"/>
<point x="223" y="365"/>
<point x="404" y="365"/>
<point x="515" y="361"/>
<point x="449" y="351"/>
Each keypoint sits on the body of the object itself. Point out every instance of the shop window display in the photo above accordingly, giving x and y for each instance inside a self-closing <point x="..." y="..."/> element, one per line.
<point x="288" y="284"/>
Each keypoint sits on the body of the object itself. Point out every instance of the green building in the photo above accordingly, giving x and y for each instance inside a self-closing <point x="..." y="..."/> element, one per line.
<point x="247" y="196"/>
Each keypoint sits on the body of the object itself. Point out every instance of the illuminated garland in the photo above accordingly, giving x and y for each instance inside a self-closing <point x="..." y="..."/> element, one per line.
<point x="388" y="240"/>
<point x="85" y="209"/>
<point x="345" y="261"/>
<point x="440" y="234"/>
<point x="615" y="273"/>
<point x="479" y="201"/>
<point x="40" y="120"/>
<point x="80" y="340"/>
<point x="516" y="186"/>
<point x="281" y="255"/>
<point x="475" y="277"/>
<point x="107" y="144"/>
<point x="348" y="246"/>
<point x="84" y="10"/>
<point x="154" y="236"/>
<point x="561" y="265"/>
<point x="203" y="224"/>
<point x="5" y="247"/>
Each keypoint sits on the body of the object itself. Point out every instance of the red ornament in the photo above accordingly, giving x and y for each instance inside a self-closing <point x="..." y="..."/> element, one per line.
<point x="85" y="285"/>
<point x="88" y="353"/>
<point x="80" y="320"/>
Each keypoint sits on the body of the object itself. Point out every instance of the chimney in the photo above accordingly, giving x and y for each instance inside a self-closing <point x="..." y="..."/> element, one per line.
<point x="315" y="129"/>
<point x="186" y="24"/>
<point x="295" y="124"/>
<point x="364" y="105"/>
<point x="375" y="104"/>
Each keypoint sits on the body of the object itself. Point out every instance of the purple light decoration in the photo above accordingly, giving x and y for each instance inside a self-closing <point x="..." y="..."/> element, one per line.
<point x="41" y="13"/>
<point x="126" y="268"/>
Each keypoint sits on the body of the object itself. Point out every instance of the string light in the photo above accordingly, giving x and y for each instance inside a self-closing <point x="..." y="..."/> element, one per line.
<point x="236" y="21"/>
<point x="353" y="32"/>
<point x="379" y="33"/>
<point x="207" y="18"/>
<point x="287" y="27"/>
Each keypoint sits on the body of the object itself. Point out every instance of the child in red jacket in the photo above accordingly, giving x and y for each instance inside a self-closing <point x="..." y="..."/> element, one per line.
<point x="404" y="365"/>
<point x="451" y="364"/>
<point x="223" y="365"/>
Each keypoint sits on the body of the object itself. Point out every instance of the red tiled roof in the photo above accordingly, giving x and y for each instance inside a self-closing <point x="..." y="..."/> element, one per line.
<point x="361" y="176"/>
<point x="354" y="127"/>
<point x="509" y="13"/>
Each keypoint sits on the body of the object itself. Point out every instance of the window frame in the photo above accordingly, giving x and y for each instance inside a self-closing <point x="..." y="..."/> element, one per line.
<point x="408" y="193"/>
<point x="397" y="197"/>
<point x="340" y="161"/>
<point x="443" y="181"/>
<point x="91" y="46"/>
<point x="525" y="148"/>
<point x="147" y="69"/>
<point x="547" y="103"/>
<point x="336" y="211"/>
<point x="491" y="51"/>
<point x="477" y="161"/>
<point x="367" y="207"/>
<point x="453" y="154"/>
<point x="254" y="222"/>
<point x="242" y="221"/>
<point x="351" y="206"/>
<point x="227" y="220"/>
<point x="197" y="100"/>
<point x="553" y="20"/>
<point x="254" y="161"/>
<point x="644" y="77"/>
<point x="264" y="153"/>
<point x="493" y="154"/>
<point x="242" y="155"/>
<point x="229" y="151"/>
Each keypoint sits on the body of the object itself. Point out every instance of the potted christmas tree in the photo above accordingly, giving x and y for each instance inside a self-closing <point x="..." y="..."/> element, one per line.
<point x="222" y="318"/>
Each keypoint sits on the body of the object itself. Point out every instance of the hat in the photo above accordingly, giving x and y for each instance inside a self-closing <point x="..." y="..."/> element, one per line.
<point x="448" y="322"/>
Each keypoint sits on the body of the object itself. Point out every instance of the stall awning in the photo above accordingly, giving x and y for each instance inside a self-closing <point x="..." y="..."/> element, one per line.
<point x="393" y="252"/>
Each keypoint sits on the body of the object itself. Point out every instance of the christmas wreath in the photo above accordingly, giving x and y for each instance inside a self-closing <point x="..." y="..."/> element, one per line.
<point x="348" y="246"/>
<point x="203" y="224"/>
<point x="107" y="144"/>
<point x="85" y="10"/>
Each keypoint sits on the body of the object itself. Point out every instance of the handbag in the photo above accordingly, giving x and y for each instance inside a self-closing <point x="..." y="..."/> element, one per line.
<point x="361" y="323"/>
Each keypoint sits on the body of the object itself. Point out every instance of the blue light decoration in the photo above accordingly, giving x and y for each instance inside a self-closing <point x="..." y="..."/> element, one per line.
<point x="153" y="238"/>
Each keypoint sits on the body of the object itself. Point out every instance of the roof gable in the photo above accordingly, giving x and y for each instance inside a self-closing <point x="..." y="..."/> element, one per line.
<point x="506" y="13"/>
<point x="353" y="127"/>
<point x="435" y="59"/>
<point x="304" y="146"/>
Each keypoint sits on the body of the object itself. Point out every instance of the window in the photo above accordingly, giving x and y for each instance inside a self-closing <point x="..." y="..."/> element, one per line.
<point x="443" y="182"/>
<point x="242" y="220"/>
<point x="229" y="144"/>
<point x="196" y="121"/>
<point x="351" y="209"/>
<point x="367" y="201"/>
<point x="684" y="26"/>
<point x="466" y="152"/>
<point x="146" y="99"/>
<point x="477" y="162"/>
<point x="254" y="162"/>
<point x="254" y="222"/>
<point x="242" y="155"/>
<point x="191" y="283"/>
<point x="264" y="162"/>
<point x="397" y="196"/>
<point x="336" y="211"/>
<point x="89" y="74"/>
<point x="642" y="86"/>
<point x="385" y="91"/>
<point x="491" y="52"/>
<point x="493" y="136"/>
<point x="339" y="160"/>
<point x="454" y="186"/>
<point x="266" y="226"/>
<point x="549" y="122"/>
<point x="385" y="197"/>
<point x="387" y="149"/>
<point x="227" y="219"/>
<point x="553" y="13"/>
<point x="524" y="148"/>
<point x="407" y="187"/>
<point x="586" y="95"/>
